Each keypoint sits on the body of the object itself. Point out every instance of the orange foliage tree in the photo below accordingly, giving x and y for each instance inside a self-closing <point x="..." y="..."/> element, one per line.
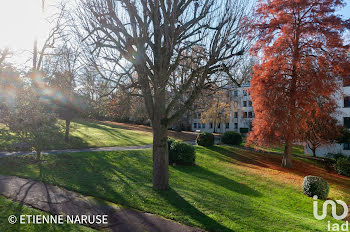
<point x="302" y="55"/>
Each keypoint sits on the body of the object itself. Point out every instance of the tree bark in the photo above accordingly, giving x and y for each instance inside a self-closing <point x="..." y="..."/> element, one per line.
<point x="66" y="137"/>
<point x="287" y="156"/>
<point x="38" y="154"/>
<point x="314" y="152"/>
<point x="160" y="156"/>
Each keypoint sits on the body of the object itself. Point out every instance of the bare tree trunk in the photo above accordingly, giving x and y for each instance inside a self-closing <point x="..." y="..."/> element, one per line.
<point x="66" y="137"/>
<point x="38" y="154"/>
<point x="314" y="152"/>
<point x="287" y="156"/>
<point x="160" y="156"/>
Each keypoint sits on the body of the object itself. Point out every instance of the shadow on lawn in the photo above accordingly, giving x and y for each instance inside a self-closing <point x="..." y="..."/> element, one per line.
<point x="247" y="159"/>
<point x="217" y="179"/>
<point x="173" y="198"/>
<point x="111" y="131"/>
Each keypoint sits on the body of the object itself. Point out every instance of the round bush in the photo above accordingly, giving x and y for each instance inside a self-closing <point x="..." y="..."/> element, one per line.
<point x="170" y="141"/>
<point x="232" y="138"/>
<point x="314" y="185"/>
<point x="205" y="139"/>
<point x="343" y="166"/>
<point x="182" y="153"/>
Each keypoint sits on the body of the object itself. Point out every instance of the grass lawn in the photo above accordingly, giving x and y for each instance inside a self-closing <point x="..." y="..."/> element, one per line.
<point x="8" y="208"/>
<point x="92" y="134"/>
<point x="296" y="149"/>
<point x="230" y="189"/>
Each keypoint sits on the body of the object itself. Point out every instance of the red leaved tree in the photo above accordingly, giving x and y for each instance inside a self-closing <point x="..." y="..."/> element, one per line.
<point x="303" y="55"/>
<point x="321" y="127"/>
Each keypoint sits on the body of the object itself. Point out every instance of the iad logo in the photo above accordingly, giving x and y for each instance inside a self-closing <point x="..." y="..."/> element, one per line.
<point x="334" y="209"/>
<point x="334" y="226"/>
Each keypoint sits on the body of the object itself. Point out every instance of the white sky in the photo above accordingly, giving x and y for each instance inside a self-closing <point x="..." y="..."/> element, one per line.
<point x="21" y="21"/>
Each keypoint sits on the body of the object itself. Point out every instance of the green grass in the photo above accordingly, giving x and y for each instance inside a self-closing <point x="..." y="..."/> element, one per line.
<point x="8" y="207"/>
<point x="219" y="194"/>
<point x="91" y="134"/>
<point x="296" y="149"/>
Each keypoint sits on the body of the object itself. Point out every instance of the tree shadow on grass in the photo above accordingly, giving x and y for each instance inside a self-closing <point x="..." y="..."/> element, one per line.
<point x="112" y="132"/>
<point x="232" y="155"/>
<point x="173" y="198"/>
<point x="219" y="180"/>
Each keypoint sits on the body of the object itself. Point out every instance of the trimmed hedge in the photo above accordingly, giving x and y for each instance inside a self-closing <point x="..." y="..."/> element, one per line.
<point x="205" y="139"/>
<point x="343" y="166"/>
<point x="314" y="185"/>
<point x="231" y="138"/>
<point x="181" y="153"/>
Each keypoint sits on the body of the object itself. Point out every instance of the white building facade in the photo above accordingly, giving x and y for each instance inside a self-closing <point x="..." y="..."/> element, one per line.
<point x="241" y="114"/>
<point x="343" y="117"/>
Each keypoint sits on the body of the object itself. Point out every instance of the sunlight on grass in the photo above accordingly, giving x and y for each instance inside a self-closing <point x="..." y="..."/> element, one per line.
<point x="90" y="134"/>
<point x="221" y="193"/>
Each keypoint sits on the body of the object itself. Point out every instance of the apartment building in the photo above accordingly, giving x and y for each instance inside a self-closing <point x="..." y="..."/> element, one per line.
<point x="343" y="116"/>
<point x="240" y="117"/>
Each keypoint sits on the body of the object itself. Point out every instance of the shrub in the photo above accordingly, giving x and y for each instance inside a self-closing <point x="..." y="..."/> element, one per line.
<point x="314" y="185"/>
<point x="205" y="139"/>
<point x="181" y="153"/>
<point x="336" y="156"/>
<point x="343" y="166"/>
<point x="243" y="130"/>
<point x="170" y="141"/>
<point x="31" y="122"/>
<point x="232" y="138"/>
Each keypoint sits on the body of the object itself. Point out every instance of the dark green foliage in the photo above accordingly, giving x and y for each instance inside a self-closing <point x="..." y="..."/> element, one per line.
<point x="314" y="185"/>
<point x="336" y="156"/>
<point x="170" y="141"/>
<point x="181" y="153"/>
<point x="205" y="139"/>
<point x="232" y="138"/>
<point x="343" y="166"/>
<point x="243" y="130"/>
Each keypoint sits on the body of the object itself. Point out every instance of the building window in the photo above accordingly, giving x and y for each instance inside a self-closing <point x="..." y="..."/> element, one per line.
<point x="236" y="126"/>
<point x="244" y="103"/>
<point x="346" y="102"/>
<point x="250" y="114"/>
<point x="346" y="146"/>
<point x="199" y="126"/>
<point x="227" y="125"/>
<point x="235" y="104"/>
<point x="250" y="103"/>
<point x="235" y="114"/>
<point x="211" y="125"/>
<point x="203" y="125"/>
<point x="194" y="125"/>
<point x="235" y="93"/>
<point x="347" y="122"/>
<point x="245" y="93"/>
<point x="245" y="114"/>
<point x="219" y="125"/>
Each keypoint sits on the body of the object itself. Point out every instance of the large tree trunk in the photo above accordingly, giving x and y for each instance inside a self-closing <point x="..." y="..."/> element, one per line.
<point x="160" y="142"/>
<point x="287" y="156"/>
<point x="66" y="137"/>
<point x="160" y="156"/>
<point x="38" y="154"/>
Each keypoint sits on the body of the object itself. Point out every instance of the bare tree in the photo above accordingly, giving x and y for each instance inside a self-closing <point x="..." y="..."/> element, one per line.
<point x="62" y="70"/>
<point x="143" y="44"/>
